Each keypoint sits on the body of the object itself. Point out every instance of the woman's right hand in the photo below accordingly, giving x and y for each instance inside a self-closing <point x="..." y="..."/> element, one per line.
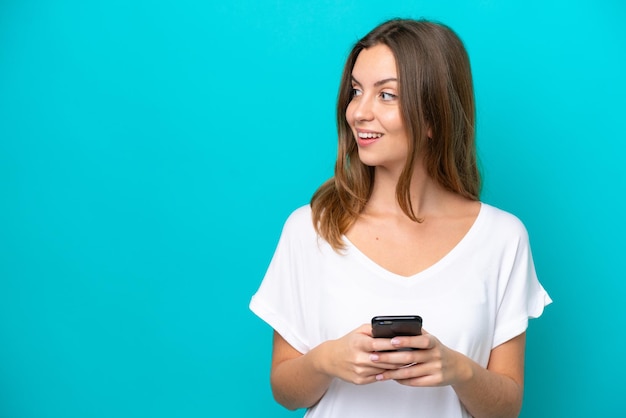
<point x="350" y="357"/>
<point x="300" y="380"/>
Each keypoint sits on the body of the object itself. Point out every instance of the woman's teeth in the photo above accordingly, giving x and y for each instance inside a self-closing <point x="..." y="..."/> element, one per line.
<point x="369" y="135"/>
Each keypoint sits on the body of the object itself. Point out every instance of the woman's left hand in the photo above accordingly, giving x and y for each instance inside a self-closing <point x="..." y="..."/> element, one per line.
<point x="432" y="364"/>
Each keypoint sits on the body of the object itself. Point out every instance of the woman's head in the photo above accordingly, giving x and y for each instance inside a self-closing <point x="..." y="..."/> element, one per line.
<point x="436" y="102"/>
<point x="435" y="107"/>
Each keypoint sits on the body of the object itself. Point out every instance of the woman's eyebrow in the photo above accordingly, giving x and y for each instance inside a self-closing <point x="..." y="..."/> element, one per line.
<point x="378" y="83"/>
<point x="384" y="81"/>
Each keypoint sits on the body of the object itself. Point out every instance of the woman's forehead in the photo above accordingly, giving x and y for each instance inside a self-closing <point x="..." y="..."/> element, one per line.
<point x="375" y="64"/>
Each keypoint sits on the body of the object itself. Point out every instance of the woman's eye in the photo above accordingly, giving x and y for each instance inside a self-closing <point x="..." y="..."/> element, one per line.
<point x="356" y="92"/>
<point x="387" y="96"/>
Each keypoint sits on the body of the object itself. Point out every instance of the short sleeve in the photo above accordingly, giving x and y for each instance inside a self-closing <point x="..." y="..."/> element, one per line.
<point x="521" y="296"/>
<point x="279" y="299"/>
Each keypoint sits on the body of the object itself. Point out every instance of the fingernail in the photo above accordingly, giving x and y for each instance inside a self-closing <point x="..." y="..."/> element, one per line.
<point x="395" y="341"/>
<point x="374" y="357"/>
<point x="379" y="377"/>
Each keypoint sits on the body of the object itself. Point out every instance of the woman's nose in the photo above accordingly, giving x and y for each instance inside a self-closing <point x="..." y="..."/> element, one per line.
<point x="363" y="109"/>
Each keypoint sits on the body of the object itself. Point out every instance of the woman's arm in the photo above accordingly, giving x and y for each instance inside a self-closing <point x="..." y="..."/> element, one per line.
<point x="300" y="380"/>
<point x="495" y="391"/>
<point x="296" y="379"/>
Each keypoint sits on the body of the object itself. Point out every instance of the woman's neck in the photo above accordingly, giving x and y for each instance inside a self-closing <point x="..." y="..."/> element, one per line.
<point x="427" y="197"/>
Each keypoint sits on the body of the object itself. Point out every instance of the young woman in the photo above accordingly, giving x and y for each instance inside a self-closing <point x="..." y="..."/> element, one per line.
<point x="400" y="229"/>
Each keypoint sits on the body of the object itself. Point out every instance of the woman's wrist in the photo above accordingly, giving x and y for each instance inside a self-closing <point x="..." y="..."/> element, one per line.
<point x="318" y="359"/>
<point x="464" y="369"/>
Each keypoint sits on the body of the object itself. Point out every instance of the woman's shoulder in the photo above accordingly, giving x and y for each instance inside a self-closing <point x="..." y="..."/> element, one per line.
<point x="299" y="220"/>
<point x="300" y="215"/>
<point x="502" y="222"/>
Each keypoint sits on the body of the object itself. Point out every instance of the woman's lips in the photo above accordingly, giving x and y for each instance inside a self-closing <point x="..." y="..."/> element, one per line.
<point x="365" y="138"/>
<point x="365" y="142"/>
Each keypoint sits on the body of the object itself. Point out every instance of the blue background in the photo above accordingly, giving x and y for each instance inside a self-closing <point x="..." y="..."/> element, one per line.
<point x="151" y="150"/>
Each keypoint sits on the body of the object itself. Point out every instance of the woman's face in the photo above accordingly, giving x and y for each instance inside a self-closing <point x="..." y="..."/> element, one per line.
<point x="374" y="112"/>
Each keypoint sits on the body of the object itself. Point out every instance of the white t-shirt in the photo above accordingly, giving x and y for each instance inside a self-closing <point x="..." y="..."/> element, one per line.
<point x="477" y="297"/>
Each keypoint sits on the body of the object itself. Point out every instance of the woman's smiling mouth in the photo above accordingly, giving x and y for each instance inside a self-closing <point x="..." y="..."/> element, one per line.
<point x="367" y="137"/>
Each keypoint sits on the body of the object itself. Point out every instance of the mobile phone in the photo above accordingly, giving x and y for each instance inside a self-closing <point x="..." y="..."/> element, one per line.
<point x="392" y="326"/>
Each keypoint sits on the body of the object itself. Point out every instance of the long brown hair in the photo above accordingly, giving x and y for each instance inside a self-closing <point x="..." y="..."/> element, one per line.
<point x="436" y="93"/>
